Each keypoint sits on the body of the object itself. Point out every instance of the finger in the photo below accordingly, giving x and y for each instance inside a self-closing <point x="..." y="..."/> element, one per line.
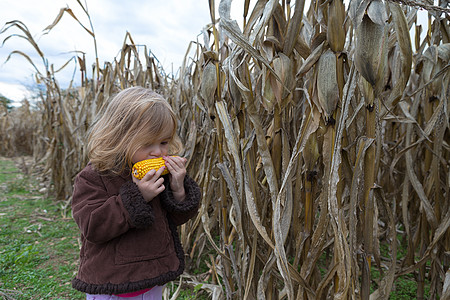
<point x="149" y="175"/>
<point x="176" y="162"/>
<point x="160" y="189"/>
<point x="159" y="182"/>
<point x="174" y="158"/>
<point x="172" y="167"/>
<point x="181" y="161"/>
<point x="135" y="180"/>
<point x="160" y="171"/>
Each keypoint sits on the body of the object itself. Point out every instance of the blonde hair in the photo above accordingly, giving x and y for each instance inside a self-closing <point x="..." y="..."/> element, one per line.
<point x="133" y="118"/>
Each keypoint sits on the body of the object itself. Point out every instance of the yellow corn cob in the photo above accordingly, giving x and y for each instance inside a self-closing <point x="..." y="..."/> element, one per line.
<point x="142" y="167"/>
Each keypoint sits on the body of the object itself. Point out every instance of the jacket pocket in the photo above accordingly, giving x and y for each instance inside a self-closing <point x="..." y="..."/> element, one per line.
<point x="143" y="244"/>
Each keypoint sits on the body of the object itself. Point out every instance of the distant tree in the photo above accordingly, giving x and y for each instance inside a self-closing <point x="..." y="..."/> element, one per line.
<point x="36" y="91"/>
<point x="5" y="102"/>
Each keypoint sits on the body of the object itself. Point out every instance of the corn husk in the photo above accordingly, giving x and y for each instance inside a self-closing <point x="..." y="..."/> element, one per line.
<point x="371" y="46"/>
<point x="327" y="84"/>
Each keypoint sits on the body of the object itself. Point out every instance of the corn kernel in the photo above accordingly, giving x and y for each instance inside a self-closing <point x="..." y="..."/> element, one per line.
<point x="142" y="167"/>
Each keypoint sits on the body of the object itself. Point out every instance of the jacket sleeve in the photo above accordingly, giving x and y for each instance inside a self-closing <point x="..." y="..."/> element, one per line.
<point x="181" y="212"/>
<point x="101" y="216"/>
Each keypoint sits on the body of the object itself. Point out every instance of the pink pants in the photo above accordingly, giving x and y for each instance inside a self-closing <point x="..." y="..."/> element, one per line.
<point x="154" y="294"/>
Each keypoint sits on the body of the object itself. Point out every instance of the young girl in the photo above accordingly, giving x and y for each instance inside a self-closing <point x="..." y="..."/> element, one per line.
<point x="130" y="245"/>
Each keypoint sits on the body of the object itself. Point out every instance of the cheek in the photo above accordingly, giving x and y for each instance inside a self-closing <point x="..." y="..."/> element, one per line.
<point x="138" y="156"/>
<point x="134" y="159"/>
<point x="165" y="150"/>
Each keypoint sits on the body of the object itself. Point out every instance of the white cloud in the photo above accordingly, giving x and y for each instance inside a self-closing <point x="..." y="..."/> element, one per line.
<point x="14" y="92"/>
<point x="165" y="27"/>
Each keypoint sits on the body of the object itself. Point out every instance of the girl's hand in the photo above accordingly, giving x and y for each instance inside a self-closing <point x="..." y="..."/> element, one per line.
<point x="177" y="168"/>
<point x="151" y="185"/>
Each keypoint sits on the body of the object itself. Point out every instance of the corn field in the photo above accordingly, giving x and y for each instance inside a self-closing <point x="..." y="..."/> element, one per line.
<point x="319" y="134"/>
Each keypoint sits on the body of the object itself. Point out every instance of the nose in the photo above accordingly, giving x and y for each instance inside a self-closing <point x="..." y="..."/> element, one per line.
<point x="156" y="151"/>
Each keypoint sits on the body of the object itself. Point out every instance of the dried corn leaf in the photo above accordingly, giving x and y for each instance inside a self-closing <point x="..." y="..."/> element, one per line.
<point x="356" y="10"/>
<point x="311" y="60"/>
<point x="267" y="14"/>
<point x="24" y="29"/>
<point x="294" y="26"/>
<point x="231" y="28"/>
<point x="446" y="287"/>
<point x="232" y="146"/>
<point x="251" y="204"/>
<point x="404" y="42"/>
<point x="26" y="57"/>
<point x="60" y="15"/>
<point x="283" y="67"/>
<point x="269" y="98"/>
<point x="335" y="28"/>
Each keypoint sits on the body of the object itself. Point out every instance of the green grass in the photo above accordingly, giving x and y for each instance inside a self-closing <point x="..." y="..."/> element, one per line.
<point x="405" y="288"/>
<point x="38" y="246"/>
<point x="188" y="293"/>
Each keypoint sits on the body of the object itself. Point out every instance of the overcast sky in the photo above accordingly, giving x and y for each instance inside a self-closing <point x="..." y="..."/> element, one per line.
<point x="165" y="27"/>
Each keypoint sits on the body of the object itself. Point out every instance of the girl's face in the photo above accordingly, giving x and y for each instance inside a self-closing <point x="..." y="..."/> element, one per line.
<point x="157" y="148"/>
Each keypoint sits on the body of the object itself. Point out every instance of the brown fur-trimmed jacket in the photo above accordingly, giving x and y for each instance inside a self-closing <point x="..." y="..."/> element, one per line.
<point x="128" y="244"/>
